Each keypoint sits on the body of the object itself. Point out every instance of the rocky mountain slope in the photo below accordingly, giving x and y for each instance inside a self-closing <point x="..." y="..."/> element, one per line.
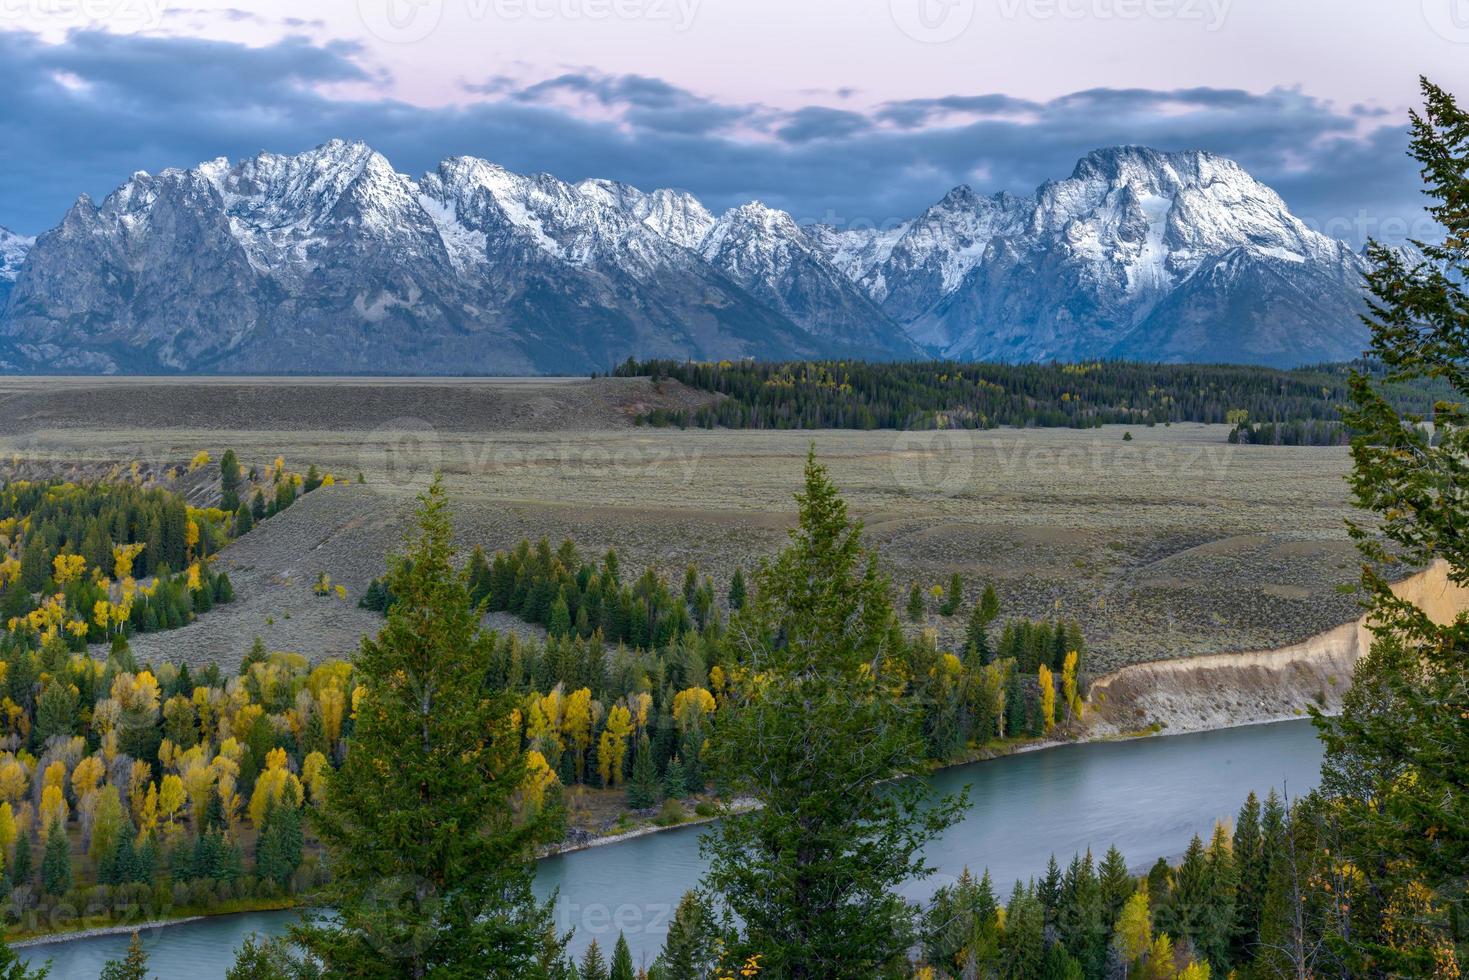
<point x="1138" y="254"/>
<point x="13" y="249"/>
<point x="332" y="261"/>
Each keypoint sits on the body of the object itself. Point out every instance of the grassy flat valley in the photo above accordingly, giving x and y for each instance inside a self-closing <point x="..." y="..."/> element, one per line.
<point x="1170" y="543"/>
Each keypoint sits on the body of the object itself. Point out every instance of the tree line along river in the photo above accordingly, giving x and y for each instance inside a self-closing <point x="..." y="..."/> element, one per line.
<point x="1147" y="796"/>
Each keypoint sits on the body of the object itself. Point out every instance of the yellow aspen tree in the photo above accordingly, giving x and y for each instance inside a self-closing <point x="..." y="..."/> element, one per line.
<point x="54" y="809"/>
<point x="229" y="800"/>
<point x="639" y="705"/>
<point x="1048" y="696"/>
<point x="270" y="788"/>
<point x="85" y="777"/>
<point x="123" y="556"/>
<point x="14" y="780"/>
<point x="538" y="778"/>
<point x="690" y="706"/>
<point x="148" y="813"/>
<point x="200" y="460"/>
<point x="314" y="771"/>
<point x="1194" y="971"/>
<point x="140" y="777"/>
<point x="171" y="796"/>
<point x="332" y="704"/>
<point x="55" y="775"/>
<point x="1160" y="964"/>
<point x="543" y="726"/>
<point x="107" y="822"/>
<point x="577" y="726"/>
<point x="68" y="568"/>
<point x="612" y="747"/>
<point x="1068" y="685"/>
<point x="1134" y="930"/>
<point x="198" y="782"/>
<point x="9" y="831"/>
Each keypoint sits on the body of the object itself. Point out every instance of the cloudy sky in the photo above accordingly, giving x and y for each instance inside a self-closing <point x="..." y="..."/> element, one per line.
<point x="850" y="111"/>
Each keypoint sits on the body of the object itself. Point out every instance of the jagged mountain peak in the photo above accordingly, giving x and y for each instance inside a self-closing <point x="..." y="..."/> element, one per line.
<point x="332" y="259"/>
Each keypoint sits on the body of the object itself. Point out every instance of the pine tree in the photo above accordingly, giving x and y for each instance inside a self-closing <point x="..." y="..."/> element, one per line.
<point x="737" y="591"/>
<point x="690" y="950"/>
<point x="1022" y="947"/>
<point x="593" y="964"/>
<point x="675" y="780"/>
<point x="11" y="968"/>
<point x="423" y="802"/>
<point x="1049" y="891"/>
<point x="134" y="966"/>
<point x="560" y="616"/>
<point x="23" y="871"/>
<point x="1395" y="756"/>
<point x="812" y="874"/>
<point x="1115" y="882"/>
<point x="229" y="481"/>
<point x="953" y="597"/>
<point x="56" y="863"/>
<point x="1184" y="915"/>
<point x="1219" y="918"/>
<point x="916" y="606"/>
<point x="622" y="968"/>
<point x="642" y="785"/>
<point x="1252" y="871"/>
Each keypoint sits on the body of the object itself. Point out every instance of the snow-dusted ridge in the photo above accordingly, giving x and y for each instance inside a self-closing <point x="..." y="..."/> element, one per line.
<point x="331" y="259"/>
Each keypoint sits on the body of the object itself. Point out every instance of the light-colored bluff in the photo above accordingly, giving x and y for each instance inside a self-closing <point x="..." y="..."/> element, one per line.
<point x="1220" y="690"/>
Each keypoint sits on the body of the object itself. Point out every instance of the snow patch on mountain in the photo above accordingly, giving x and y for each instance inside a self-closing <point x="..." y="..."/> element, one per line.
<point x="13" y="250"/>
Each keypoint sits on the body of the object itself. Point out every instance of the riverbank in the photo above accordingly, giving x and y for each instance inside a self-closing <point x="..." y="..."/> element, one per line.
<point x="1227" y="690"/>
<point x="25" y="938"/>
<point x="47" y="939"/>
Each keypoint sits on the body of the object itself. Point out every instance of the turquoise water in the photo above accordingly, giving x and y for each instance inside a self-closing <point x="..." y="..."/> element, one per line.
<point x="1148" y="797"/>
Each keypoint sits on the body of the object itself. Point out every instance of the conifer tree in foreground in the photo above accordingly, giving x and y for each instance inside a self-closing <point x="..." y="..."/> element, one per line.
<point x="813" y="732"/>
<point x="431" y="868"/>
<point x="11" y="968"/>
<point x="1396" y="757"/>
<point x="134" y="966"/>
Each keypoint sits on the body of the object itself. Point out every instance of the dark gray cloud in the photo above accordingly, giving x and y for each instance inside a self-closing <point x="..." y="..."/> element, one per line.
<point x="82" y="115"/>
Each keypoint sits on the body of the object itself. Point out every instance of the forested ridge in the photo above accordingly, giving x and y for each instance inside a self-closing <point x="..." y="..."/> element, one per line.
<point x="1302" y="405"/>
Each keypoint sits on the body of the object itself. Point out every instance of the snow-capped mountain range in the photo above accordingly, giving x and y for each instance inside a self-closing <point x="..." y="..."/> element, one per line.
<point x="333" y="261"/>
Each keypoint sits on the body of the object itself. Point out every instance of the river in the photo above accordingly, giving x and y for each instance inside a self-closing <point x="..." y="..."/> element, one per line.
<point x="1147" y="796"/>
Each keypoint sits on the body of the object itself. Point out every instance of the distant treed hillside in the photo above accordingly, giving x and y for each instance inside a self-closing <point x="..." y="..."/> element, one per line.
<point x="940" y="394"/>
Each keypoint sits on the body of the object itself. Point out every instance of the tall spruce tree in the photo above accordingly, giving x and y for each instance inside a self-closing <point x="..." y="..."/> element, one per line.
<point x="690" y="952"/>
<point x="431" y="870"/>
<point x="1396" y="756"/>
<point x="622" y="968"/>
<point x="56" y="862"/>
<point x="812" y="873"/>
